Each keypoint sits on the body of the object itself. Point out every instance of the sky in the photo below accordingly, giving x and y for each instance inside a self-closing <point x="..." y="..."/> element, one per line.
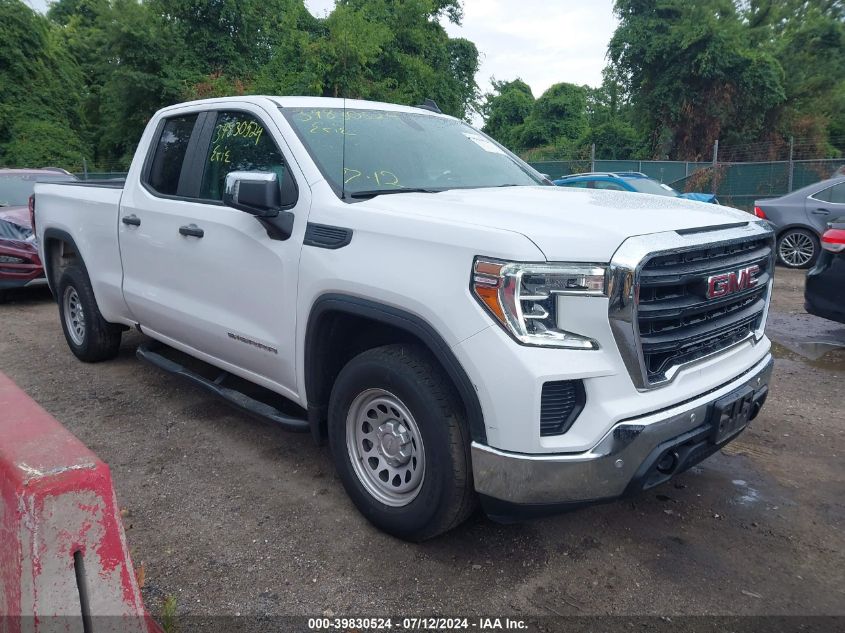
<point x="541" y="41"/>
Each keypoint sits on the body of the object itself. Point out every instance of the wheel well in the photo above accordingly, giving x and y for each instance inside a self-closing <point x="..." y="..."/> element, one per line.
<point x="59" y="254"/>
<point x="342" y="329"/>
<point x="800" y="227"/>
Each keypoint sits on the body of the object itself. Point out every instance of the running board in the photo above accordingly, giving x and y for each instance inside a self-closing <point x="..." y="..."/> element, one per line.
<point x="235" y="398"/>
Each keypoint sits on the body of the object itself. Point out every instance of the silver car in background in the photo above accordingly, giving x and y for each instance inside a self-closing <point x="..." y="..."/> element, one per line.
<point x="801" y="217"/>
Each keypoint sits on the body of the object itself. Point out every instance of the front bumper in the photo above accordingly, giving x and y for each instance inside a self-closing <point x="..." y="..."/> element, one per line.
<point x="28" y="271"/>
<point x="634" y="455"/>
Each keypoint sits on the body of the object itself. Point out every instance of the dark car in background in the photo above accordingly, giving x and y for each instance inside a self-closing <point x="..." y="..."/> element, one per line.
<point x="801" y="217"/>
<point x="824" y="294"/>
<point x="20" y="265"/>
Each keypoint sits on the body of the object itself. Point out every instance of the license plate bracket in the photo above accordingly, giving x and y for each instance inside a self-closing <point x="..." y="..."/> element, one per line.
<point x="731" y="414"/>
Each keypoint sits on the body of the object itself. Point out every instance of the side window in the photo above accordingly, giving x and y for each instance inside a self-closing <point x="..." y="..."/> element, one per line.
<point x="580" y="184"/>
<point x="606" y="184"/>
<point x="239" y="142"/>
<point x="824" y="194"/>
<point x="837" y="193"/>
<point x="170" y="154"/>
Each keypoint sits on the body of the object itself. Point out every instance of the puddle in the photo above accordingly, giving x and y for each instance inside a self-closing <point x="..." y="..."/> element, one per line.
<point x="819" y="354"/>
<point x="748" y="495"/>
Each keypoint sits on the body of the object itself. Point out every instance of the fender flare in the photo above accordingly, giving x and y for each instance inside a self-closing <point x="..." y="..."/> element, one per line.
<point x="64" y="236"/>
<point x="400" y="319"/>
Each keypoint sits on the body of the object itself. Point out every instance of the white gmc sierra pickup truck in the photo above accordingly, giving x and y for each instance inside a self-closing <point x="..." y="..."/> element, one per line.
<point x="394" y="281"/>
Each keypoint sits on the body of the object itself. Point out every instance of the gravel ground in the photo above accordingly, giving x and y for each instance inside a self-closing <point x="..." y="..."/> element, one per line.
<point x="227" y="514"/>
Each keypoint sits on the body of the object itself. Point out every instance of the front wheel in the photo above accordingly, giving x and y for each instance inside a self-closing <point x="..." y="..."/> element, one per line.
<point x="399" y="440"/>
<point x="90" y="337"/>
<point x="798" y="248"/>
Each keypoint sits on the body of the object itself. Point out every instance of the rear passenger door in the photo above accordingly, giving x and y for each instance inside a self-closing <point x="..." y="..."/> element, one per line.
<point x="826" y="205"/>
<point x="205" y="277"/>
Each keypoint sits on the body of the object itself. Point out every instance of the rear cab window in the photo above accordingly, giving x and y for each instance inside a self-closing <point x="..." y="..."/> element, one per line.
<point x="171" y="148"/>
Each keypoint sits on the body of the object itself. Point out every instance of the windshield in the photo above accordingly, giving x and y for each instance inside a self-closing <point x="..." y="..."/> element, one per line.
<point x="646" y="185"/>
<point x="389" y="151"/>
<point x="15" y="189"/>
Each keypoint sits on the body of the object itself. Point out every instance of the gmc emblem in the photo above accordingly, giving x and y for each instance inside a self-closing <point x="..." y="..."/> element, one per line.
<point x="728" y="283"/>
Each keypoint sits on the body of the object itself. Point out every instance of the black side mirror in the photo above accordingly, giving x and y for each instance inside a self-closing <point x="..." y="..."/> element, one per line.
<point x="257" y="193"/>
<point x="260" y="194"/>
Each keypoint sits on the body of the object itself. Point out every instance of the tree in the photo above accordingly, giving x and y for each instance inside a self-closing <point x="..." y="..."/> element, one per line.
<point x="558" y="118"/>
<point x="692" y="75"/>
<point x="808" y="41"/>
<point x="41" y="100"/>
<point x="505" y="110"/>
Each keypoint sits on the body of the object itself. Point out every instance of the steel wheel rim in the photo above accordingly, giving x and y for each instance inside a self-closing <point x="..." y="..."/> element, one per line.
<point x="797" y="249"/>
<point x="385" y="447"/>
<point x="74" y="316"/>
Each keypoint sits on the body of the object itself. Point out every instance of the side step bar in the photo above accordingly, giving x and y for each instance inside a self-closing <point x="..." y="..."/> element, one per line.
<point x="145" y="352"/>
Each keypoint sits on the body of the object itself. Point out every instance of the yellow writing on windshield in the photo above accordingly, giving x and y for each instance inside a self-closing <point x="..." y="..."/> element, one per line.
<point x="318" y="127"/>
<point x="308" y="116"/>
<point x="379" y="177"/>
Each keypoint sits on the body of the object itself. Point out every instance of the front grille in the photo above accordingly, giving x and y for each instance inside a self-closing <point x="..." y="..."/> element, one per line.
<point x="560" y="404"/>
<point x="676" y="321"/>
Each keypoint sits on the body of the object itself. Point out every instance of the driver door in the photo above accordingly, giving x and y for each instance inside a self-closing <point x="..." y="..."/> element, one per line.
<point x="220" y="287"/>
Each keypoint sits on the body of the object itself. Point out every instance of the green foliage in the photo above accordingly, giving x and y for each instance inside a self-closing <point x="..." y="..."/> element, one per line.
<point x="749" y="73"/>
<point x="554" y="121"/>
<point x="41" y="100"/>
<point x="84" y="80"/>
<point x="614" y="140"/>
<point x="692" y="74"/>
<point x="91" y="74"/>
<point x="506" y="109"/>
<point x="808" y="41"/>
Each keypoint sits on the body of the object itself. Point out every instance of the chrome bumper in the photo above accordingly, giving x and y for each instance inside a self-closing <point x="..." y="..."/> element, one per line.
<point x="619" y="463"/>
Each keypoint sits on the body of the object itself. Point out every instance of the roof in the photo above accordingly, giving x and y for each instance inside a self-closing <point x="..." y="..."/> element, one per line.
<point x="309" y="102"/>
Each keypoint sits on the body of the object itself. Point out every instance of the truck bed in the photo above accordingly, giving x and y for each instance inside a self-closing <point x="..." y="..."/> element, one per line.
<point x="88" y="213"/>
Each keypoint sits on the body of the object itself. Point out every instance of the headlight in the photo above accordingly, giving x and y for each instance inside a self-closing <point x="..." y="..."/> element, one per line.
<point x="523" y="298"/>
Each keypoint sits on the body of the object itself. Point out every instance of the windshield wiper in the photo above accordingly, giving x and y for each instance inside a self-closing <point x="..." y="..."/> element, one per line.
<point x="381" y="192"/>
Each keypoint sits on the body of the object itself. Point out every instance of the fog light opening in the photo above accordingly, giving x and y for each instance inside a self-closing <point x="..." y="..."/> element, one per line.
<point x="667" y="463"/>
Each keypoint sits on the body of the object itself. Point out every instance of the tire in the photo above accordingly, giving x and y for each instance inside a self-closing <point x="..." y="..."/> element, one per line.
<point x="798" y="248"/>
<point x="89" y="336"/>
<point x="3" y="296"/>
<point x="418" y="423"/>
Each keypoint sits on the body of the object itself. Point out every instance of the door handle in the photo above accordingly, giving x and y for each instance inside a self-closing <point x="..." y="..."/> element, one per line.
<point x="131" y="220"/>
<point x="191" y="230"/>
<point x="821" y="212"/>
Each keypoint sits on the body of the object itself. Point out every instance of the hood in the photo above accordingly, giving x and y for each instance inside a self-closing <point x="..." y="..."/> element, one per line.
<point x="567" y="224"/>
<point x="700" y="197"/>
<point x="16" y="215"/>
<point x="16" y="228"/>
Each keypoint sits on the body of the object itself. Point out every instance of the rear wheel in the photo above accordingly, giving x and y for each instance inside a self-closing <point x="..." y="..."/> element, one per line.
<point x="798" y="248"/>
<point x="400" y="443"/>
<point x="90" y="337"/>
<point x="2" y="296"/>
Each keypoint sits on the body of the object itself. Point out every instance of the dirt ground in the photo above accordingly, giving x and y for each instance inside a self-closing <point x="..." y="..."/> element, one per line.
<point x="227" y="514"/>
